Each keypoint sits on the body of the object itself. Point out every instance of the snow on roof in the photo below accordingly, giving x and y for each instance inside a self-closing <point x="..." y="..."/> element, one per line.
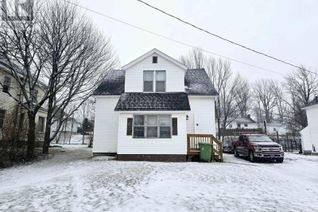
<point x="196" y="81"/>
<point x="177" y="101"/>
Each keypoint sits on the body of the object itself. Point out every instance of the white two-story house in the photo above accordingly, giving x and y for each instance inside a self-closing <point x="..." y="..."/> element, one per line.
<point x="145" y="110"/>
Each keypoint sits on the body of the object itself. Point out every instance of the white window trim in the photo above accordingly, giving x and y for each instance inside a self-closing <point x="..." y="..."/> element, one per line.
<point x="145" y="126"/>
<point x="154" y="81"/>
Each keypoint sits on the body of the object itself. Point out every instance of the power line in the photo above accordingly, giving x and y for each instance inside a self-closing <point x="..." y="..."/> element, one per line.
<point x="218" y="36"/>
<point x="225" y="39"/>
<point x="171" y="39"/>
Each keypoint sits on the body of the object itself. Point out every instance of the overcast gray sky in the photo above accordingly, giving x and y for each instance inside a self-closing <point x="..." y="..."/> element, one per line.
<point x="287" y="29"/>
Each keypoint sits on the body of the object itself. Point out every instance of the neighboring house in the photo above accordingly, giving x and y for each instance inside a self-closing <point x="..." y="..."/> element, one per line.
<point x="146" y="110"/>
<point x="275" y="127"/>
<point x="69" y="127"/>
<point x="310" y="133"/>
<point x="14" y="115"/>
<point x="248" y="123"/>
<point x="243" y="123"/>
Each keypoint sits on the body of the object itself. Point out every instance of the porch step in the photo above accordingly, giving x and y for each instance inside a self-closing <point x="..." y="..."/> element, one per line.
<point x="194" y="140"/>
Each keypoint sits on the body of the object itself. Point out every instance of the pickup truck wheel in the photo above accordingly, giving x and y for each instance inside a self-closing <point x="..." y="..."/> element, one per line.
<point x="280" y="160"/>
<point x="236" y="153"/>
<point x="251" y="156"/>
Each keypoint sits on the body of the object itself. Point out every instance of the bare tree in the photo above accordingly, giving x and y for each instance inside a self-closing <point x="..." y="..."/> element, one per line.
<point x="79" y="58"/>
<point x="220" y="74"/>
<point x="243" y="97"/>
<point x="264" y="96"/>
<point x="230" y="88"/>
<point x="282" y="105"/>
<point x="230" y="101"/>
<point x="194" y="59"/>
<point x="20" y="55"/>
<point x="302" y="87"/>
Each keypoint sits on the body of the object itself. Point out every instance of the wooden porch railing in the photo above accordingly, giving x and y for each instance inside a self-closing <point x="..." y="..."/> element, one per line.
<point x="193" y="141"/>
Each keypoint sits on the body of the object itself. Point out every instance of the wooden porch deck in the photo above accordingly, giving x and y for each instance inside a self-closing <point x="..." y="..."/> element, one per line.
<point x="193" y="141"/>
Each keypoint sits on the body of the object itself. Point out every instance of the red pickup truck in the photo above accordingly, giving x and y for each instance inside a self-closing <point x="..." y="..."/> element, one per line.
<point x="258" y="146"/>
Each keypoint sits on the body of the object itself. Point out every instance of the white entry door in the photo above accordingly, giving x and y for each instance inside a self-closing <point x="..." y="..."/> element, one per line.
<point x="190" y="123"/>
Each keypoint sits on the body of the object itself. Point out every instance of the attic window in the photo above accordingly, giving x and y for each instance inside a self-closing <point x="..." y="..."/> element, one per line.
<point x="154" y="59"/>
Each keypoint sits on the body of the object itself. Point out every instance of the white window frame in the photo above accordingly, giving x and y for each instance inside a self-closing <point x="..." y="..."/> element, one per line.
<point x="145" y="125"/>
<point x="154" y="81"/>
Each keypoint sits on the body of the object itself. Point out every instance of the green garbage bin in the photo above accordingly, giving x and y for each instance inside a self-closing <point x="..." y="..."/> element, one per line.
<point x="205" y="152"/>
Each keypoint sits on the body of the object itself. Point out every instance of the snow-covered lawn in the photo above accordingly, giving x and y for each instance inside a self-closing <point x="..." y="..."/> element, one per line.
<point x="73" y="181"/>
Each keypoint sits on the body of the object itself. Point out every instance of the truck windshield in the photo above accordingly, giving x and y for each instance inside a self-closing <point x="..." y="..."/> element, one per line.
<point x="259" y="138"/>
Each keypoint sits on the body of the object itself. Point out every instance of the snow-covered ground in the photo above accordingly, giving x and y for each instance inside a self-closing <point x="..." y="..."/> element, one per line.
<point x="74" y="181"/>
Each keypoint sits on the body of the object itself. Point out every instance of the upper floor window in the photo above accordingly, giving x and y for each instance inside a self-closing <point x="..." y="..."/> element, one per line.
<point x="41" y="124"/>
<point x="148" y="81"/>
<point x="2" y="113"/>
<point x="6" y="84"/>
<point x="154" y="59"/>
<point x="159" y="77"/>
<point x="34" y="95"/>
<point x="160" y="81"/>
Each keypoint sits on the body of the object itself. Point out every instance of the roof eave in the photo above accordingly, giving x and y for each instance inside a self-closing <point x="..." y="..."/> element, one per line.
<point x="310" y="107"/>
<point x="147" y="54"/>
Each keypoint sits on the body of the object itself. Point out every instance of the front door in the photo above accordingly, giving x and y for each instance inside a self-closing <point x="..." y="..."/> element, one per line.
<point x="190" y="123"/>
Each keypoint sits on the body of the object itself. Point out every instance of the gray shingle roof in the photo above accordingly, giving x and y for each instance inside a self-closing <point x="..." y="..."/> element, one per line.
<point x="176" y="101"/>
<point x="196" y="81"/>
<point x="113" y="84"/>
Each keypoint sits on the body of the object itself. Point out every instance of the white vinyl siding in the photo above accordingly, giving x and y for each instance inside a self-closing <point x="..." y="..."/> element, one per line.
<point x="174" y="75"/>
<point x="106" y="125"/>
<point x="176" y="144"/>
<point x="203" y="114"/>
<point x="310" y="133"/>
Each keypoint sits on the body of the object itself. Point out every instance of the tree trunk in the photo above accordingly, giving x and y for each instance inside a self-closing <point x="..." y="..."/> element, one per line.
<point x="31" y="135"/>
<point x="47" y="134"/>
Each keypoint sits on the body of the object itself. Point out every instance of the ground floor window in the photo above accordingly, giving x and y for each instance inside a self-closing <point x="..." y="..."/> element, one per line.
<point x="152" y="126"/>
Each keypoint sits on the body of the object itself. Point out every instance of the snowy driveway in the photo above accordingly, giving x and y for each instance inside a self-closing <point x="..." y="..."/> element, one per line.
<point x="73" y="181"/>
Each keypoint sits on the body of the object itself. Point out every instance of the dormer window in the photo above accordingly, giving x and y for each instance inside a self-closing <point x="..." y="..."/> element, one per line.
<point x="154" y="59"/>
<point x="159" y="77"/>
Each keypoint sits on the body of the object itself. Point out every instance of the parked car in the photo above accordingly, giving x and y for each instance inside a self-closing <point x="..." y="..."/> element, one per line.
<point x="258" y="147"/>
<point x="228" y="143"/>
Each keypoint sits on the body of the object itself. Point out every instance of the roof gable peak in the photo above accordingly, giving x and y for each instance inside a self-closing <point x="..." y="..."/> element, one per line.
<point x="154" y="51"/>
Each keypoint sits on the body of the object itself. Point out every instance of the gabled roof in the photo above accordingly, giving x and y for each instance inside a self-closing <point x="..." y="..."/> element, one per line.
<point x="158" y="52"/>
<point x="197" y="82"/>
<point x="113" y="84"/>
<point x="312" y="103"/>
<point x="19" y="71"/>
<point x="153" y="102"/>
